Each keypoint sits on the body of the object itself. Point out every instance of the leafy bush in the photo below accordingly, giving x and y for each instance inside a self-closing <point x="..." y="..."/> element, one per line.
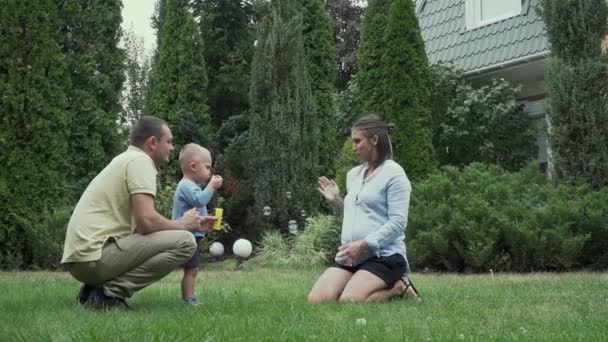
<point x="482" y="124"/>
<point x="482" y="218"/>
<point x="164" y="198"/>
<point x="315" y="246"/>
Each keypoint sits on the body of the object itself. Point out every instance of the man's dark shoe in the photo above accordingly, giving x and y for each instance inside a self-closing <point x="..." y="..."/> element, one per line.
<point x="98" y="300"/>
<point x="84" y="293"/>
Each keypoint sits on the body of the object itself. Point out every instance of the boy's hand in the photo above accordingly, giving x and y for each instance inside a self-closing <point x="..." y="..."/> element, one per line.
<point x="206" y="223"/>
<point x="216" y="182"/>
<point x="191" y="219"/>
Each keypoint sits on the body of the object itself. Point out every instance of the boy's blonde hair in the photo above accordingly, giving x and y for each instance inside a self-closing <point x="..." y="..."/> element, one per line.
<point x="191" y="152"/>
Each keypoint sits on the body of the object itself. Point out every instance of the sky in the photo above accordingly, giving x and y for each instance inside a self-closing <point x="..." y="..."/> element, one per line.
<point x="138" y="14"/>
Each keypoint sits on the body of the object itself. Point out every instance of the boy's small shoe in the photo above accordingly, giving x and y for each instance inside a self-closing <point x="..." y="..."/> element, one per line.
<point x="192" y="301"/>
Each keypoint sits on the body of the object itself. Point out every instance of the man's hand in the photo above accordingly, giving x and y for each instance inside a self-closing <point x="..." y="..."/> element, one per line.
<point x="206" y="223"/>
<point x="329" y="189"/>
<point x="216" y="182"/>
<point x="191" y="219"/>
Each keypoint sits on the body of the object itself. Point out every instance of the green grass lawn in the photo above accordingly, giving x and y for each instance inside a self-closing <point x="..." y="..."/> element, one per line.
<point x="263" y="304"/>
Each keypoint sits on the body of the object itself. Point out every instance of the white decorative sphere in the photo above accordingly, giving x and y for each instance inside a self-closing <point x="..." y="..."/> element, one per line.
<point x="216" y="249"/>
<point x="242" y="248"/>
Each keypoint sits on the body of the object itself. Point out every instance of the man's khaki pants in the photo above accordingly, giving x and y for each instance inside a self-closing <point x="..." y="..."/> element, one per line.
<point x="136" y="261"/>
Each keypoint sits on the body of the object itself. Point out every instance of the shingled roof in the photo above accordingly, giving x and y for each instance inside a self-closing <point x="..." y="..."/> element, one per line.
<point x="447" y="40"/>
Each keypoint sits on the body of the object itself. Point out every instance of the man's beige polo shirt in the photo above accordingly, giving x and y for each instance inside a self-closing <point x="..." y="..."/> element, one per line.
<point x="104" y="210"/>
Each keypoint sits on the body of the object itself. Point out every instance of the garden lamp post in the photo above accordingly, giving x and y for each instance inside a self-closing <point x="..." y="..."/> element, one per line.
<point x="293" y="227"/>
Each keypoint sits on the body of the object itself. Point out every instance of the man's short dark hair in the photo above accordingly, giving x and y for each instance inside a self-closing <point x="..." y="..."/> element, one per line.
<point x="145" y="127"/>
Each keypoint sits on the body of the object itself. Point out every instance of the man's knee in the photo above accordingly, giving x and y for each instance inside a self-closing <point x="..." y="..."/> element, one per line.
<point x="186" y="242"/>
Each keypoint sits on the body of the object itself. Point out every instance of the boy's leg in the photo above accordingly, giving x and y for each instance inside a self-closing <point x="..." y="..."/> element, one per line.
<point x="188" y="282"/>
<point x="191" y="268"/>
<point x="134" y="262"/>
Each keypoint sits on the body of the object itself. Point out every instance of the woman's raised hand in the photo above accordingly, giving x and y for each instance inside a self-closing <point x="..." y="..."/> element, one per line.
<point x="329" y="189"/>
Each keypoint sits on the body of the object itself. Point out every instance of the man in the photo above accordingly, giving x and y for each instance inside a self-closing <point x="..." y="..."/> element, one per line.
<point x="116" y="242"/>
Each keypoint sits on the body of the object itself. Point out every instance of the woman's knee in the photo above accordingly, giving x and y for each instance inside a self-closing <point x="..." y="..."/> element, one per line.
<point x="316" y="297"/>
<point x="351" y="298"/>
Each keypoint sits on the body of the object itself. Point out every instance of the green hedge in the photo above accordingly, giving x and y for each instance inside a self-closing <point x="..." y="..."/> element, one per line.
<point x="42" y="237"/>
<point x="481" y="218"/>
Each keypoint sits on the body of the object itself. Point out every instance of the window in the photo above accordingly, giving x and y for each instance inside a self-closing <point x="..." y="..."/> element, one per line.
<point x="483" y="12"/>
<point x="536" y="110"/>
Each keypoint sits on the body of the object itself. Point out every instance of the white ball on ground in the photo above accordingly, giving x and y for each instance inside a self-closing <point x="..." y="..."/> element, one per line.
<point x="216" y="249"/>
<point x="242" y="248"/>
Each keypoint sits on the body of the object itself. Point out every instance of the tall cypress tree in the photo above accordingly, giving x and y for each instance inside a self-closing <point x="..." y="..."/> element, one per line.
<point x="90" y="35"/>
<point x="157" y="18"/>
<point x="138" y="64"/>
<point x="321" y="54"/>
<point x="283" y="133"/>
<point x="33" y="133"/>
<point x="226" y="28"/>
<point x="346" y="21"/>
<point x="370" y="76"/>
<point x="576" y="87"/>
<point x="157" y="23"/>
<point x="178" y="93"/>
<point x="406" y="88"/>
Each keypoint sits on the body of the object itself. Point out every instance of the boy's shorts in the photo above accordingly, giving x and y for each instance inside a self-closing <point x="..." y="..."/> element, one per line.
<point x="390" y="268"/>
<point x="195" y="261"/>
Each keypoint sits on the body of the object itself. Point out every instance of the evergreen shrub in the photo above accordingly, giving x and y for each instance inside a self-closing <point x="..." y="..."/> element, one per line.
<point x="576" y="90"/>
<point x="346" y="161"/>
<point x="481" y="218"/>
<point x="41" y="237"/>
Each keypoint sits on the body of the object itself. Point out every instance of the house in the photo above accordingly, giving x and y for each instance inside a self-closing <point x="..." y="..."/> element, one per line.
<point x="492" y="39"/>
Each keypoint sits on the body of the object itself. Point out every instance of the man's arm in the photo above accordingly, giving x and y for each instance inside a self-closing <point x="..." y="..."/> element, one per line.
<point x="148" y="220"/>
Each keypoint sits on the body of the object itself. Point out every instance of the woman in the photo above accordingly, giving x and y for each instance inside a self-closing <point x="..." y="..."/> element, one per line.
<point x="371" y="264"/>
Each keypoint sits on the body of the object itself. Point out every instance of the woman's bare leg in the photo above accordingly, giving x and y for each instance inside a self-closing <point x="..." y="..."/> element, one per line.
<point x="362" y="285"/>
<point x="329" y="285"/>
<point x="396" y="290"/>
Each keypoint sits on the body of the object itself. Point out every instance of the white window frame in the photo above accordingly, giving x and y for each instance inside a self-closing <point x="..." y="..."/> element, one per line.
<point x="473" y="18"/>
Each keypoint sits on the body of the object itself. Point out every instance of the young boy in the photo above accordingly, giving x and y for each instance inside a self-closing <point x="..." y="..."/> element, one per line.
<point x="195" y="162"/>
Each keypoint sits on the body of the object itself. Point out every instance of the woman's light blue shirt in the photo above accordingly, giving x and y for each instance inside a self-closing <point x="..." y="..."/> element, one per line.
<point x="376" y="209"/>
